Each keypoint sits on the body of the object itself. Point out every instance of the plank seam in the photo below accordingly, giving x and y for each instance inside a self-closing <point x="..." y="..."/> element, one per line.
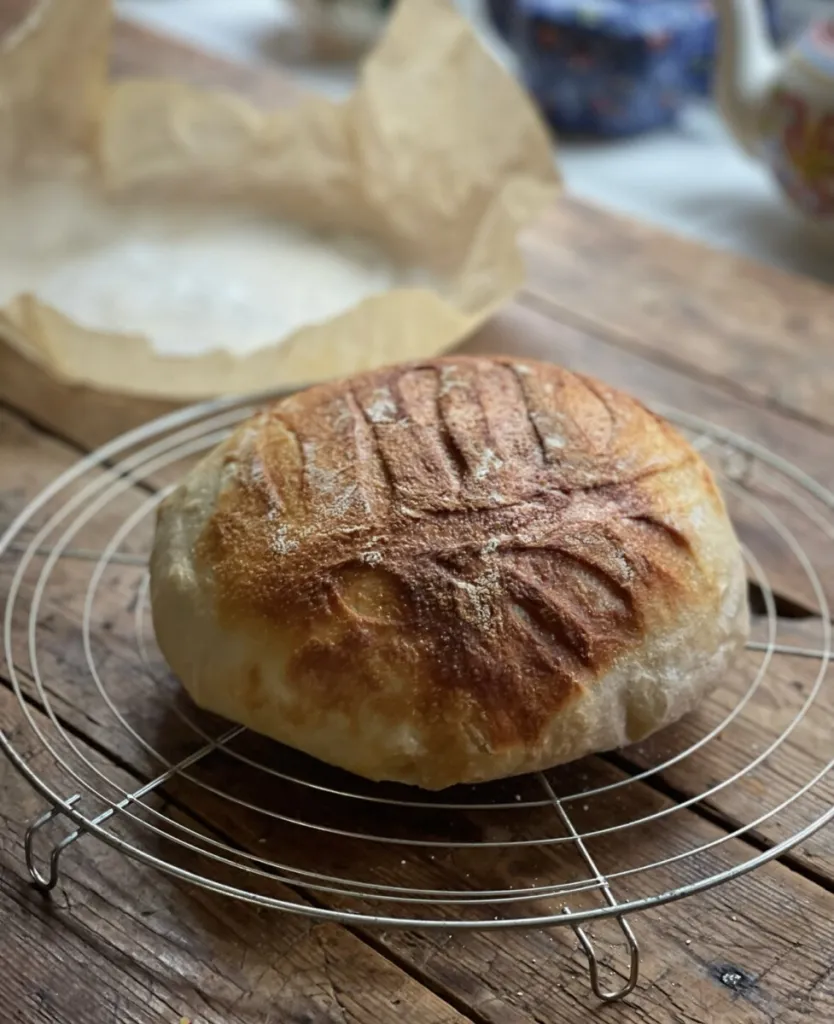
<point x="411" y="970"/>
<point x="541" y="302"/>
<point x="721" y="819"/>
<point x="705" y="811"/>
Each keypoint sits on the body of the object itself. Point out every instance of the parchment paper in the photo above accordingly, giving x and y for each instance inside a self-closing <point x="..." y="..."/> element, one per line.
<point x="438" y="156"/>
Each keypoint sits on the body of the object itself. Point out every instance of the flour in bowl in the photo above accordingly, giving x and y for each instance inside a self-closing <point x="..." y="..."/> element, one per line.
<point x="190" y="279"/>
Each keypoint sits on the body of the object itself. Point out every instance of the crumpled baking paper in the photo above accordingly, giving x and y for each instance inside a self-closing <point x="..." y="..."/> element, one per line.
<point x="438" y="156"/>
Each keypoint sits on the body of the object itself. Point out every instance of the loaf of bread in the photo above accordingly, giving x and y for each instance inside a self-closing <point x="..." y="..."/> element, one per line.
<point x="450" y="571"/>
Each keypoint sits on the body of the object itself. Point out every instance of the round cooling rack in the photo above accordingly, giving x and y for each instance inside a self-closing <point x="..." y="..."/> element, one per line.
<point x="597" y="839"/>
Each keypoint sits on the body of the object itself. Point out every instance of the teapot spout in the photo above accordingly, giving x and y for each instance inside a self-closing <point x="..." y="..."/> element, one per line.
<point x="747" y="67"/>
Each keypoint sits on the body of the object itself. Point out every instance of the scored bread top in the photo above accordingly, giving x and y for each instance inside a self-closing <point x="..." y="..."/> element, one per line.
<point x="458" y="547"/>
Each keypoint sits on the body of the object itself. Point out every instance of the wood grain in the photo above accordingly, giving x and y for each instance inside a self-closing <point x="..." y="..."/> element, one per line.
<point x="746" y="326"/>
<point x="138" y="52"/>
<point x="532" y="976"/>
<point x="784" y="571"/>
<point x="119" y="941"/>
<point x="531" y="332"/>
<point x="662" y="317"/>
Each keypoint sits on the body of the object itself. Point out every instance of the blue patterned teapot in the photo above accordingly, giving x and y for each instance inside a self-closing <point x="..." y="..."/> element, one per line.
<point x="613" y="67"/>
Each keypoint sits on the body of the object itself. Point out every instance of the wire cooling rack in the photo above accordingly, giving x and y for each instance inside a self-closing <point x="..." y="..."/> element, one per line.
<point x="599" y="839"/>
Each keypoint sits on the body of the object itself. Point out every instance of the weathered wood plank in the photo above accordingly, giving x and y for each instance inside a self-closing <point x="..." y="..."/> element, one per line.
<point x="782" y="569"/>
<point x="577" y="350"/>
<point x="748" y="326"/>
<point x="119" y="941"/>
<point x="783" y="705"/>
<point x="739" y="933"/>
<point x="484" y="972"/>
<point x="531" y="332"/>
<point x="775" y="979"/>
<point x="82" y="415"/>
<point x="141" y="52"/>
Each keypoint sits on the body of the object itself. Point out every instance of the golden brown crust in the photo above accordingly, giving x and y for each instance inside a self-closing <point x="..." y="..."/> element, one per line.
<point x="492" y="533"/>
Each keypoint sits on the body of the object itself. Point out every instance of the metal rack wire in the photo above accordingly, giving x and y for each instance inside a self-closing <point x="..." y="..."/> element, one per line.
<point x="393" y="857"/>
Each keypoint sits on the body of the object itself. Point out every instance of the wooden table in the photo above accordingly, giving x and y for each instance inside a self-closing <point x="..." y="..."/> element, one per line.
<point x="739" y="344"/>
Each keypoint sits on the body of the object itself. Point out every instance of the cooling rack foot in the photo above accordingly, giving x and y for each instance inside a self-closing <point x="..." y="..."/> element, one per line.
<point x="46" y="883"/>
<point x="593" y="963"/>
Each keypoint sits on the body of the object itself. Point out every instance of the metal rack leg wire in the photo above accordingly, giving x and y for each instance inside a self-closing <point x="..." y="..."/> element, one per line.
<point x="46" y="883"/>
<point x="584" y="940"/>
